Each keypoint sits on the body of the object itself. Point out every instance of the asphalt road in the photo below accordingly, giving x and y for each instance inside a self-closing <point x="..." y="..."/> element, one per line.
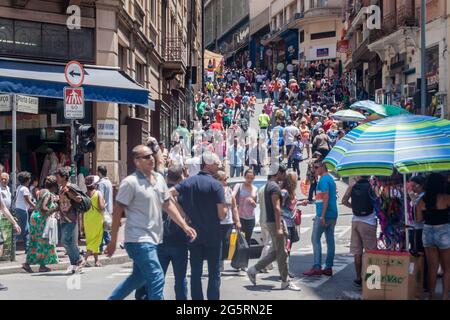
<point x="98" y="283"/>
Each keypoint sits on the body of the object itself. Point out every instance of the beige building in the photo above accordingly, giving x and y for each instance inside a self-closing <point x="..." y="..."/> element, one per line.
<point x="155" y="43"/>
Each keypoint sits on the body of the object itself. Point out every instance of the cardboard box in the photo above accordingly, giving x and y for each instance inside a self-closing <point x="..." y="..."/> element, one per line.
<point x="391" y="275"/>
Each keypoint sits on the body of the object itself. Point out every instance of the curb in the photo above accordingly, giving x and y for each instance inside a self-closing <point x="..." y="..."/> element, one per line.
<point x="117" y="259"/>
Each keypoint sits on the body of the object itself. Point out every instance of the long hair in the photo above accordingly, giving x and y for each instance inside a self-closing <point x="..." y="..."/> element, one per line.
<point x="290" y="183"/>
<point x="435" y="185"/>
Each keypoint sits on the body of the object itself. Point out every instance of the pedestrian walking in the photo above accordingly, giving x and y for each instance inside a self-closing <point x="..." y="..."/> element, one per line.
<point x="324" y="222"/>
<point x="290" y="137"/>
<point x="277" y="230"/>
<point x="23" y="204"/>
<point x="106" y="189"/>
<point x="5" y="192"/>
<point x="42" y="251"/>
<point x="236" y="156"/>
<point x="295" y="155"/>
<point x="142" y="196"/>
<point x="205" y="206"/>
<point x="360" y="198"/>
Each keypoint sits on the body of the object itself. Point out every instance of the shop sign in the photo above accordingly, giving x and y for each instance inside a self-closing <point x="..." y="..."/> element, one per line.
<point x="107" y="130"/>
<point x="73" y="103"/>
<point x="5" y="102"/>
<point x="323" y="52"/>
<point x="27" y="104"/>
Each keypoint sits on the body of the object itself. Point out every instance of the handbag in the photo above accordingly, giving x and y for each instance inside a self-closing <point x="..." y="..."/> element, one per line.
<point x="241" y="254"/>
<point x="298" y="217"/>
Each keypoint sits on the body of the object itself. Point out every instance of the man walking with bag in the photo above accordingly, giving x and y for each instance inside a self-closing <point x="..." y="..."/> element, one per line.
<point x="277" y="230"/>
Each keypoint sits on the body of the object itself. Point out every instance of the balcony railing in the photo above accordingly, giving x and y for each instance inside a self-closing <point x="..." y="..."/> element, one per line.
<point x="175" y="50"/>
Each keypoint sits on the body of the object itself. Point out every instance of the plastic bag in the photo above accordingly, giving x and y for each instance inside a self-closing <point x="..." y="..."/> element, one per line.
<point x="241" y="254"/>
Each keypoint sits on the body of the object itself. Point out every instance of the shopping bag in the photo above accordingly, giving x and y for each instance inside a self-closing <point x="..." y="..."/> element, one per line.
<point x="233" y="239"/>
<point x="241" y="254"/>
<point x="304" y="187"/>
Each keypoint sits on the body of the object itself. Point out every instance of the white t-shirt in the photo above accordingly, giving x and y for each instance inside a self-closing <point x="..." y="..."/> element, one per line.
<point x="228" y="201"/>
<point x="291" y="133"/>
<point x="5" y="196"/>
<point x="259" y="78"/>
<point x="370" y="219"/>
<point x="193" y="165"/>
<point x="22" y="192"/>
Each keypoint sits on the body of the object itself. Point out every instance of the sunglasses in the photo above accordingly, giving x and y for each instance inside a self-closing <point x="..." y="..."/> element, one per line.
<point x="147" y="157"/>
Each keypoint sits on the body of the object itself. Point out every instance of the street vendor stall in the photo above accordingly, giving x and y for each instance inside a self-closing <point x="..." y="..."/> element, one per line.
<point x="392" y="148"/>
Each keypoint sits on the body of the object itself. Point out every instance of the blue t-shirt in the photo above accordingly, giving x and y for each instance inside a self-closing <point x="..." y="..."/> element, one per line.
<point x="201" y="194"/>
<point x="326" y="183"/>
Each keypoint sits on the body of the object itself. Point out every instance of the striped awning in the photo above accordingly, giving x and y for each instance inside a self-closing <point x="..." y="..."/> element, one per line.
<point x="407" y="143"/>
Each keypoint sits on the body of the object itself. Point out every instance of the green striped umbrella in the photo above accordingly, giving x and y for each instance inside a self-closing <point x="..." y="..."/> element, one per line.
<point x="407" y="143"/>
<point x="382" y="110"/>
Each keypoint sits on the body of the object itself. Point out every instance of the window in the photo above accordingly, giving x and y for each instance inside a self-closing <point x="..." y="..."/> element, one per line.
<point x="323" y="35"/>
<point x="140" y="77"/>
<point x="123" y="58"/>
<point x="27" y="37"/>
<point x="6" y="35"/>
<point x="55" y="42"/>
<point x="153" y="11"/>
<point x="81" y="43"/>
<point x="302" y="36"/>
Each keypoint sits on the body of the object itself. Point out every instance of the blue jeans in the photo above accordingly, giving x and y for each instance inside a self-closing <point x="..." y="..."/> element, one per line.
<point x="238" y="171"/>
<point x="317" y="232"/>
<point x="146" y="270"/>
<point x="22" y="217"/>
<point x="178" y="255"/>
<point x="106" y="239"/>
<point x="68" y="240"/>
<point x="212" y="254"/>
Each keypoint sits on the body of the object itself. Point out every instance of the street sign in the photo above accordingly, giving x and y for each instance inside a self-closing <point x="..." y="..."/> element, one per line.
<point x="5" y="102"/>
<point x="269" y="52"/>
<point x="74" y="73"/>
<point x="290" y="68"/>
<point x="73" y="103"/>
<point x="27" y="104"/>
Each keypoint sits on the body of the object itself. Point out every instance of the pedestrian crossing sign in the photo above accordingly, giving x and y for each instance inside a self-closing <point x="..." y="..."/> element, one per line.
<point x="73" y="103"/>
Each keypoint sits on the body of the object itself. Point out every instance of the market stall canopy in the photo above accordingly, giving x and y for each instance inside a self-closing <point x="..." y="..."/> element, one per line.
<point x="381" y="110"/>
<point x="212" y="57"/>
<point x="348" y="115"/>
<point x="101" y="84"/>
<point x="407" y="143"/>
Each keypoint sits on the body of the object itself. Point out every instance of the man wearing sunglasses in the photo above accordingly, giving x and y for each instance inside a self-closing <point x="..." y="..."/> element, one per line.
<point x="325" y="220"/>
<point x="143" y="196"/>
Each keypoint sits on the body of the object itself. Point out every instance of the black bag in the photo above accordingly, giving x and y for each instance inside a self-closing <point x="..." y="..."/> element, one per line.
<point x="241" y="254"/>
<point x="85" y="204"/>
<point x="362" y="198"/>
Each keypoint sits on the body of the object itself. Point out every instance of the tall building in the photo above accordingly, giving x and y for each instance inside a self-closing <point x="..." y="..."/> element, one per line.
<point x="227" y="29"/>
<point x="259" y="28"/>
<point x="149" y="47"/>
<point x="304" y="34"/>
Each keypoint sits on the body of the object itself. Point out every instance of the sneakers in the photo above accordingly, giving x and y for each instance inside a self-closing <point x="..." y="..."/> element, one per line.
<point x="313" y="272"/>
<point x="70" y="270"/>
<point x="251" y="273"/>
<point x="3" y="287"/>
<point x="327" y="272"/>
<point x="289" y="285"/>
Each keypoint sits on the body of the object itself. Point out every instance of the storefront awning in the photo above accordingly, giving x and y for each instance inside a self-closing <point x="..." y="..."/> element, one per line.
<point x="101" y="84"/>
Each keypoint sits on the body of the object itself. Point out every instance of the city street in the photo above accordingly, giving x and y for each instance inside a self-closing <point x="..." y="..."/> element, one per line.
<point x="98" y="283"/>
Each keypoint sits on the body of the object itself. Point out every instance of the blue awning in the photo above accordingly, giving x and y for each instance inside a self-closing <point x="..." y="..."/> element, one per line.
<point x="101" y="84"/>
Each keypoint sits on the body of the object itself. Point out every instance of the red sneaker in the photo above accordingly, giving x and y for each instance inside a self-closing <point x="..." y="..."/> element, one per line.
<point x="313" y="272"/>
<point x="327" y="272"/>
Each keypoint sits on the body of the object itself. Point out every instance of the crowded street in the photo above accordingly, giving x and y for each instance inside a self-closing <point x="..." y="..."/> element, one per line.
<point x="288" y="150"/>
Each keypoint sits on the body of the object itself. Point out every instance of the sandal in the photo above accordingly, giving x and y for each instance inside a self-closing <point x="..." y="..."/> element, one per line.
<point x="98" y="265"/>
<point x="44" y="269"/>
<point x="87" y="265"/>
<point x="27" y="268"/>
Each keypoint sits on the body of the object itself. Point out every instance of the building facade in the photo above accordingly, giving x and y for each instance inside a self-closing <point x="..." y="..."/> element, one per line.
<point x="259" y="28"/>
<point x="227" y="29"/>
<point x="304" y="34"/>
<point x="149" y="41"/>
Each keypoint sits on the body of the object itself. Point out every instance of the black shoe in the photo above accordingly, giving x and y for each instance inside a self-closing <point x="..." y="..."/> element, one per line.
<point x="3" y="287"/>
<point x="357" y="283"/>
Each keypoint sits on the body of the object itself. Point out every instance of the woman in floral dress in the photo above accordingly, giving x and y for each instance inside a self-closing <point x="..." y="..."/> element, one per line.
<point x="41" y="252"/>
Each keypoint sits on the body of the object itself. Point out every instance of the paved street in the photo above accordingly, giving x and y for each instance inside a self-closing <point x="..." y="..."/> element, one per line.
<point x="98" y="283"/>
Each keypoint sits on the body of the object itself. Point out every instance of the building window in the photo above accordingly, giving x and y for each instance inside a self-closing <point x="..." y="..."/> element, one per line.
<point x="323" y="35"/>
<point x="153" y="10"/>
<point x="302" y="36"/>
<point x="140" y="78"/>
<point x="55" y="42"/>
<point x="123" y="58"/>
<point x="27" y="37"/>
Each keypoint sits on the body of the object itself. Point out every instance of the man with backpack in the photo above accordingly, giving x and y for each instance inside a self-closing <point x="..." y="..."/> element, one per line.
<point x="364" y="221"/>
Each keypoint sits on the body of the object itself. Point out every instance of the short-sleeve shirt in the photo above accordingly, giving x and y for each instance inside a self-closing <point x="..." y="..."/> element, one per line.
<point x="271" y="189"/>
<point x="201" y="195"/>
<point x="326" y="184"/>
<point x="291" y="133"/>
<point x="21" y="203"/>
<point x="143" y="203"/>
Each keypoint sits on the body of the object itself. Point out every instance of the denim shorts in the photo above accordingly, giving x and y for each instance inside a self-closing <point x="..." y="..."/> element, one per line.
<point x="436" y="236"/>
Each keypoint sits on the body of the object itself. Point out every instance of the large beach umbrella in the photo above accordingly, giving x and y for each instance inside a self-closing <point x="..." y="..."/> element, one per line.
<point x="348" y="115"/>
<point x="407" y="143"/>
<point x="380" y="110"/>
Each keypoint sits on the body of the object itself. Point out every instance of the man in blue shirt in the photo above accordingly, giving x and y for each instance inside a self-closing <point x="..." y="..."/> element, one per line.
<point x="204" y="205"/>
<point x="325" y="220"/>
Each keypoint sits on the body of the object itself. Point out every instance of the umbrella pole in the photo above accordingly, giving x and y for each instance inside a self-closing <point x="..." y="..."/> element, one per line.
<point x="405" y="204"/>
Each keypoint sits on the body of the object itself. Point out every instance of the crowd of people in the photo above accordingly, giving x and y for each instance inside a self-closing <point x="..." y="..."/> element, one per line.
<point x="180" y="208"/>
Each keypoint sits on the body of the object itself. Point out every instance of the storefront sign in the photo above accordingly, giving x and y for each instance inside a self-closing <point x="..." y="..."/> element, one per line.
<point x="342" y="46"/>
<point x="27" y="104"/>
<point x="324" y="52"/>
<point x="73" y="103"/>
<point x="5" y="102"/>
<point x="107" y="129"/>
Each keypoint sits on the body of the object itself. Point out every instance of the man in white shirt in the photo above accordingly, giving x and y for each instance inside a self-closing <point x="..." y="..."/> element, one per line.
<point x="5" y="192"/>
<point x="290" y="136"/>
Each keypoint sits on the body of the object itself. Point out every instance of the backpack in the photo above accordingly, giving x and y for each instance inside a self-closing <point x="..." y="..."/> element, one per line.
<point x="362" y="198"/>
<point x="85" y="204"/>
